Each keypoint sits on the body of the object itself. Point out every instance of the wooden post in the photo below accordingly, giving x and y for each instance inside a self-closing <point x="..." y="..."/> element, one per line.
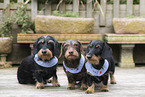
<point x="89" y="8"/>
<point x="76" y="6"/>
<point x="6" y="2"/>
<point x="48" y="8"/>
<point x="33" y="9"/>
<point x="103" y="16"/>
<point x="129" y="7"/>
<point x="116" y="8"/>
<point x="142" y="9"/>
<point x="7" y="13"/>
<point x="62" y="8"/>
<point x="20" y="1"/>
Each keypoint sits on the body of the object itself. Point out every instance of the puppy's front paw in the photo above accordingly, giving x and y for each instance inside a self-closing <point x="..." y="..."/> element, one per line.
<point x="56" y="84"/>
<point x="83" y="86"/>
<point x="105" y="88"/>
<point x="90" y="89"/>
<point x="71" y="86"/>
<point x="39" y="85"/>
<point x="112" y="79"/>
<point x="113" y="82"/>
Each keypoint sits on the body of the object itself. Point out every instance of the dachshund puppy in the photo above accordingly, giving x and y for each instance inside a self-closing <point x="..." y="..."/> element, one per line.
<point x="42" y="65"/>
<point x="73" y="64"/>
<point x="99" y="65"/>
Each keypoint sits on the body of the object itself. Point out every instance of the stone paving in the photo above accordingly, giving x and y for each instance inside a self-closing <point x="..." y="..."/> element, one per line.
<point x="130" y="83"/>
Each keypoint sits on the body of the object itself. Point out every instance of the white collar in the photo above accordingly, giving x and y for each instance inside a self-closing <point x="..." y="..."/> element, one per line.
<point x="49" y="63"/>
<point x="92" y="71"/>
<point x="78" y="69"/>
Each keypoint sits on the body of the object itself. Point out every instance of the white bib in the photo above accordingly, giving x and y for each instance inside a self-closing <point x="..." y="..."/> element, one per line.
<point x="78" y="69"/>
<point x="49" y="63"/>
<point x="91" y="70"/>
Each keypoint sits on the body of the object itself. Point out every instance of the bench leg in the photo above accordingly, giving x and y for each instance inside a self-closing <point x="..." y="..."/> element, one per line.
<point x="127" y="56"/>
<point x="3" y="62"/>
<point x="31" y="46"/>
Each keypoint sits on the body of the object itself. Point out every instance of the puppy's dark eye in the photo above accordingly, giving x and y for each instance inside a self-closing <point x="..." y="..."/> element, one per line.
<point x="75" y="45"/>
<point x="66" y="45"/>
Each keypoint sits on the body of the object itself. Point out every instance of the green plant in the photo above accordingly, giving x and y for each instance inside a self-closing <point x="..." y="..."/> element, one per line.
<point x="130" y="16"/>
<point x="19" y="17"/>
<point x="67" y="14"/>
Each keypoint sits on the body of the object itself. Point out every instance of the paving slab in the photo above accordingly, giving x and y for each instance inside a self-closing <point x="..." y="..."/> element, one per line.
<point x="130" y="83"/>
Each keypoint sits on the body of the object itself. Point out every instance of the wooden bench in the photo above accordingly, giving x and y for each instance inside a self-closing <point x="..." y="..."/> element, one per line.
<point x="127" y="42"/>
<point x="83" y="38"/>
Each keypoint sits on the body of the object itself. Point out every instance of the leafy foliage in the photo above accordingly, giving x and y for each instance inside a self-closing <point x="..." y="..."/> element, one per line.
<point x="19" y="17"/>
<point x="67" y="14"/>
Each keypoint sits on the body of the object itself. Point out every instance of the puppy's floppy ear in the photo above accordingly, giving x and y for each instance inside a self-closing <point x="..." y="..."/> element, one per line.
<point x="35" y="49"/>
<point x="81" y="47"/>
<point x="61" y="51"/>
<point x="107" y="51"/>
<point x="87" y="49"/>
<point x="56" y="48"/>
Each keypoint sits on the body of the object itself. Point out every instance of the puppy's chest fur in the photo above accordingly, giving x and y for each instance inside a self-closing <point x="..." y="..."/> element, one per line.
<point x="45" y="71"/>
<point x="98" y="67"/>
<point x="74" y="64"/>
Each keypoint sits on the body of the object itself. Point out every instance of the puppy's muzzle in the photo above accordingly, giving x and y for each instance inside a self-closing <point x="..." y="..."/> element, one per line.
<point x="44" y="51"/>
<point x="45" y="54"/>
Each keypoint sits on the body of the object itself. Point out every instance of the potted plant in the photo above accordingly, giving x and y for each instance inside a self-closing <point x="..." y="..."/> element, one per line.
<point x="5" y="47"/>
<point x="17" y="22"/>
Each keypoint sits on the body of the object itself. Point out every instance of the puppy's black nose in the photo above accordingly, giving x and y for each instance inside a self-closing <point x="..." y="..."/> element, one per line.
<point x="44" y="51"/>
<point x="89" y="56"/>
<point x="70" y="52"/>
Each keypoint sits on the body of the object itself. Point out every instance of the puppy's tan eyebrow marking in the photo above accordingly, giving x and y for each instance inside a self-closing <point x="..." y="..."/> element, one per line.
<point x="97" y="45"/>
<point x="41" y="41"/>
<point x="50" y="41"/>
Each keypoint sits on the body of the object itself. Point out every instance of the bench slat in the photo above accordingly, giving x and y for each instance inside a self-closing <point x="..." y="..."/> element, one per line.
<point x="84" y="38"/>
<point x="125" y="38"/>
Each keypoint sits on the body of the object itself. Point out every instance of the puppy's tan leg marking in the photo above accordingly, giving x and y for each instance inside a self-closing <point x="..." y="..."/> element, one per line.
<point x="55" y="82"/>
<point x="90" y="89"/>
<point x="83" y="86"/>
<point x="112" y="79"/>
<point x="104" y="88"/>
<point x="39" y="85"/>
<point x="71" y="86"/>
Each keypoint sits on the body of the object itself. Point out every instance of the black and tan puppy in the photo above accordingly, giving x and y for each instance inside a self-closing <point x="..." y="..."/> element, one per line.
<point x="42" y="65"/>
<point x="100" y="64"/>
<point x="74" y="63"/>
